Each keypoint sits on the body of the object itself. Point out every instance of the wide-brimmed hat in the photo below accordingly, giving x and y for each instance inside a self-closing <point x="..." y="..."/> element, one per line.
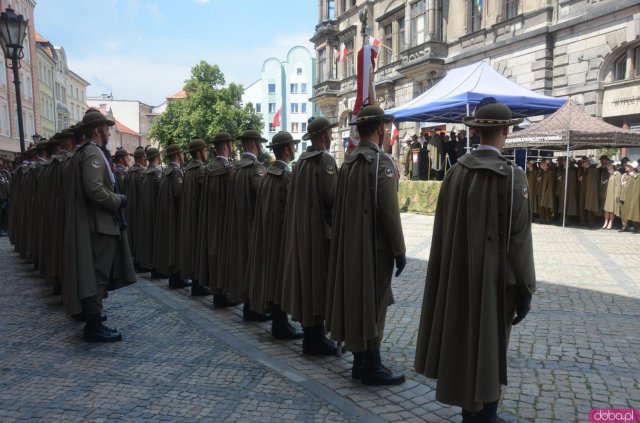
<point x="29" y="152"/>
<point x="139" y="153"/>
<point x="282" y="138"/>
<point x="252" y="134"/>
<point x="195" y="145"/>
<point x="632" y="164"/>
<point x="222" y="137"/>
<point x="94" y="118"/>
<point x="151" y="152"/>
<point x="172" y="149"/>
<point x="42" y="144"/>
<point x="317" y="126"/>
<point x="491" y="114"/>
<point x="372" y="113"/>
<point x="604" y="157"/>
<point x="120" y="152"/>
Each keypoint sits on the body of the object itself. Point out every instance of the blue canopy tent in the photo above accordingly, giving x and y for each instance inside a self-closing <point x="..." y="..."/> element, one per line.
<point x="457" y="94"/>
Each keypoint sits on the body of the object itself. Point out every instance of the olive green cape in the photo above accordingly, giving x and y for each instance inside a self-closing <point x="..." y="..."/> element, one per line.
<point x="309" y="216"/>
<point x="367" y="235"/>
<point x="572" y="191"/>
<point x="213" y="212"/>
<point x="631" y="198"/>
<point x="132" y="189"/>
<point x="166" y="248"/>
<point x="90" y="203"/>
<point x="189" y="214"/>
<point x="468" y="306"/>
<point x="147" y="215"/>
<point x="248" y="173"/>
<point x="266" y="247"/>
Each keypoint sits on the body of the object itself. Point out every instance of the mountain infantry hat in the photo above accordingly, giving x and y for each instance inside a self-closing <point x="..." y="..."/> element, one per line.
<point x="222" y="137"/>
<point x="29" y="152"/>
<point x="151" y="152"/>
<point x="491" y="114"/>
<point x="120" y="152"/>
<point x="317" y="126"/>
<point x="42" y="144"/>
<point x="282" y="138"/>
<point x="139" y="152"/>
<point x="172" y="149"/>
<point x="195" y="145"/>
<point x="252" y="134"/>
<point x="371" y="113"/>
<point x="94" y="118"/>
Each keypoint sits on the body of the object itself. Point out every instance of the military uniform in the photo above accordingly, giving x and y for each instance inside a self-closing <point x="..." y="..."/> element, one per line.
<point x="267" y="246"/>
<point x="307" y="237"/>
<point x="132" y="189"/>
<point x="166" y="257"/>
<point x="246" y="178"/>
<point x="147" y="212"/>
<point x="97" y="257"/>
<point x="468" y="308"/>
<point x="214" y="211"/>
<point x="189" y="213"/>
<point x="120" y="171"/>
<point x="367" y="237"/>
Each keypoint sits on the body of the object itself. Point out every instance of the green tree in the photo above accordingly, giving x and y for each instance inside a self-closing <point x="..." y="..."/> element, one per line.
<point x="208" y="108"/>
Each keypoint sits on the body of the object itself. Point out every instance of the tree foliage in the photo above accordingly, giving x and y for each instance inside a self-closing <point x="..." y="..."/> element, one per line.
<point x="209" y="107"/>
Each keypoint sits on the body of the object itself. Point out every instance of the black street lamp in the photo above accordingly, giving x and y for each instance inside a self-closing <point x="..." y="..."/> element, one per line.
<point x="13" y="29"/>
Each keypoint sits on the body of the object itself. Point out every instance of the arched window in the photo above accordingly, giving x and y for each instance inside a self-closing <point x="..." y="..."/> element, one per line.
<point x="620" y="68"/>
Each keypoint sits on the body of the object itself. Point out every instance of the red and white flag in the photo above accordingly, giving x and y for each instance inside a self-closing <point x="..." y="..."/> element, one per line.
<point x="366" y="91"/>
<point x="373" y="41"/>
<point x="394" y="133"/>
<point x="276" y="118"/>
<point x="343" y="52"/>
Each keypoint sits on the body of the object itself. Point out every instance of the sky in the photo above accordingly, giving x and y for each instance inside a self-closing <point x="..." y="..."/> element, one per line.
<point x="145" y="49"/>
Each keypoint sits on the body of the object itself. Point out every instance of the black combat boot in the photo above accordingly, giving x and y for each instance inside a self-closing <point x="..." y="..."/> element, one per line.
<point x="625" y="228"/>
<point x="316" y="343"/>
<point x="176" y="282"/>
<point x="358" y="365"/>
<point x="281" y="328"/>
<point x="374" y="373"/>
<point x="223" y="301"/>
<point x="198" y="290"/>
<point x="251" y="316"/>
<point x="95" y="331"/>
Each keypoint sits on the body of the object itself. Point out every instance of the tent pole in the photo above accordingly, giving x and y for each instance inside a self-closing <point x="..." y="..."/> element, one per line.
<point x="566" y="184"/>
<point x="468" y="134"/>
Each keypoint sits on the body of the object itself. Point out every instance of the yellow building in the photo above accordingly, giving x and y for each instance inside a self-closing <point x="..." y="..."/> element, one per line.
<point x="46" y="66"/>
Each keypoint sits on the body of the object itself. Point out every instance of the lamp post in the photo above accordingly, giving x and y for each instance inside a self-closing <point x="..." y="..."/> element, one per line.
<point x="13" y="29"/>
<point x="36" y="138"/>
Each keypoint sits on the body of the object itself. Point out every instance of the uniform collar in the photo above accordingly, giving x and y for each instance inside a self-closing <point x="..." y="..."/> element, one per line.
<point x="223" y="158"/>
<point x="284" y="165"/>
<point x="489" y="148"/>
<point x="250" y="155"/>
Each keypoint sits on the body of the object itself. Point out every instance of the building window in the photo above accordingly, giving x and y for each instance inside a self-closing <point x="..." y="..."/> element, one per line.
<point x="322" y="65"/>
<point x="330" y="11"/>
<point x="303" y="88"/>
<point x="349" y="68"/>
<point x="294" y="107"/>
<point x="295" y="127"/>
<point x="402" y="41"/>
<point x="294" y="88"/>
<point x="299" y="70"/>
<point x="3" y="73"/>
<point x="304" y="129"/>
<point x="418" y="23"/>
<point x="4" y="119"/>
<point x="637" y="61"/>
<point x="511" y="8"/>
<point x="258" y="108"/>
<point x="272" y="128"/>
<point x="388" y="42"/>
<point x="620" y="68"/>
<point x="303" y="107"/>
<point x="272" y="88"/>
<point x="475" y="15"/>
<point x="272" y="107"/>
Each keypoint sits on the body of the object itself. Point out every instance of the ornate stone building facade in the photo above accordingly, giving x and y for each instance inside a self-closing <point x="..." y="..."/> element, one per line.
<point x="588" y="50"/>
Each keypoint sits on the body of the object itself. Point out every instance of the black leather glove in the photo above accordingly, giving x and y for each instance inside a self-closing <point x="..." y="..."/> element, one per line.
<point x="401" y="262"/>
<point x="123" y="200"/>
<point x="523" y="305"/>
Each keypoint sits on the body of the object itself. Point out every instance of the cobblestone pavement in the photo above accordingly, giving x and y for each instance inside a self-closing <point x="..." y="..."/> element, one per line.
<point x="183" y="361"/>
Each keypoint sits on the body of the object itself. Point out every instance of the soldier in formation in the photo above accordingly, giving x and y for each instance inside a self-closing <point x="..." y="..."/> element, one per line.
<point x="67" y="219"/>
